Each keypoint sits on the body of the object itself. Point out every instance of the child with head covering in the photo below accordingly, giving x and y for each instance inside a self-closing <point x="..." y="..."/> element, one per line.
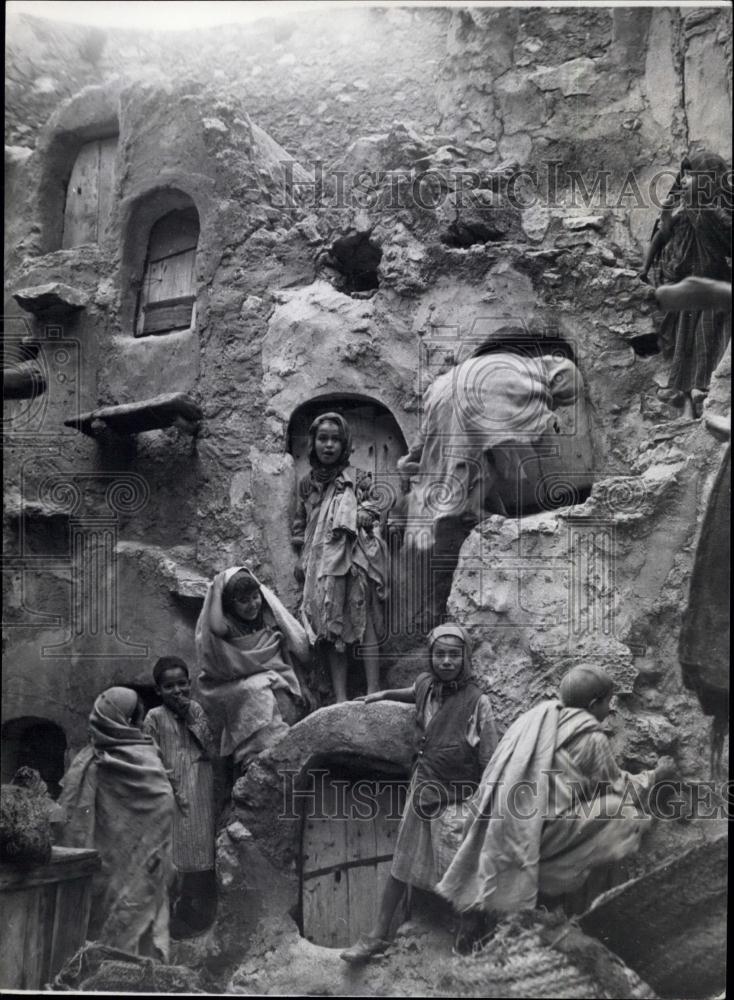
<point x="180" y="731"/>
<point x="456" y="738"/>
<point x="249" y="649"/>
<point x="342" y="559"/>
<point x="118" y="800"/>
<point x="552" y="805"/>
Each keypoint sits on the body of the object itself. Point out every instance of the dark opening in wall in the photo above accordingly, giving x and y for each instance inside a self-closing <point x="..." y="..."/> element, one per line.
<point x="460" y="235"/>
<point x="37" y="743"/>
<point x="356" y="259"/>
<point x="645" y="345"/>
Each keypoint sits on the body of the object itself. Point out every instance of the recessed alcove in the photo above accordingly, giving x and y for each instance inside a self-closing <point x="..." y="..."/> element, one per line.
<point x="377" y="439"/>
<point x="159" y="263"/>
<point x="356" y="258"/>
<point x="350" y="822"/>
<point x="76" y="193"/>
<point x="34" y="742"/>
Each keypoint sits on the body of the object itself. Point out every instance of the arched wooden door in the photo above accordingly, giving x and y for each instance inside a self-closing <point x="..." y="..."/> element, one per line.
<point x="348" y="841"/>
<point x="377" y="439"/>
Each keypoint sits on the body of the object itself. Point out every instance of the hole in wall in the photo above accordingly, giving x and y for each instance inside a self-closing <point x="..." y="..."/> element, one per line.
<point x="645" y="345"/>
<point x="34" y="742"/>
<point x="355" y="258"/>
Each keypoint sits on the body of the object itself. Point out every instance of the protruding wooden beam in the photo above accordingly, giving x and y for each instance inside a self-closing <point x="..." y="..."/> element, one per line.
<point x="169" y="409"/>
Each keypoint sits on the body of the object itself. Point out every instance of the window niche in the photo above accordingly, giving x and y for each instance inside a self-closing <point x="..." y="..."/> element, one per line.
<point x="76" y="194"/>
<point x="159" y="264"/>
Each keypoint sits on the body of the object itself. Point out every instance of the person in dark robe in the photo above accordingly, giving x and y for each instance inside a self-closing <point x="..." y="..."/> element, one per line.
<point x="694" y="240"/>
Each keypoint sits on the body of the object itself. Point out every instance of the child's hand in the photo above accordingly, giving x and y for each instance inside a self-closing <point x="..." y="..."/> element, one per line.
<point x="375" y="696"/>
<point x="183" y="803"/>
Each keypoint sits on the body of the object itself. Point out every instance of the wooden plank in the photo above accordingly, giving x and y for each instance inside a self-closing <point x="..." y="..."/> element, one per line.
<point x="364" y="898"/>
<point x="325" y="899"/>
<point x="14" y="916"/>
<point x="173" y="233"/>
<point x="106" y="182"/>
<point x="82" y="195"/>
<point x="69" y="929"/>
<point x="165" y="318"/>
<point x="66" y="862"/>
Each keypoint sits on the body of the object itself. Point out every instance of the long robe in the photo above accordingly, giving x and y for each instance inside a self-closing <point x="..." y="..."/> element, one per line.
<point x="246" y="680"/>
<point x="119" y="801"/>
<point x="345" y="565"/>
<point x="695" y="339"/>
<point x="186" y="748"/>
<point x="538" y="822"/>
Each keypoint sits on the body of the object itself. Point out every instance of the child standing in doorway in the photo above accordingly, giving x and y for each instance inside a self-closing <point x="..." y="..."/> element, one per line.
<point x="342" y="559"/>
<point x="457" y="737"/>
<point x="180" y="730"/>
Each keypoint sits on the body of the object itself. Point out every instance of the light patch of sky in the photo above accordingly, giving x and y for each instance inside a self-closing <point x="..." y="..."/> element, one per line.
<point x="157" y="15"/>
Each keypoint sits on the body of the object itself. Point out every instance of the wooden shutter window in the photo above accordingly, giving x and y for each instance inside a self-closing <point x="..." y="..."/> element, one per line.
<point x="89" y="193"/>
<point x="168" y="295"/>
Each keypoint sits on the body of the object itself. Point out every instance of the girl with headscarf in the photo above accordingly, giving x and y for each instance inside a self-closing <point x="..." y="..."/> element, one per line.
<point x="456" y="737"/>
<point x="693" y="239"/>
<point x="342" y="559"/>
<point x="119" y="801"/>
<point x="249" y="649"/>
<point x="552" y="805"/>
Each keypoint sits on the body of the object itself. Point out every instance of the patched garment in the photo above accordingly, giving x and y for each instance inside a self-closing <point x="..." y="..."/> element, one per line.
<point x="345" y="564"/>
<point x="187" y="749"/>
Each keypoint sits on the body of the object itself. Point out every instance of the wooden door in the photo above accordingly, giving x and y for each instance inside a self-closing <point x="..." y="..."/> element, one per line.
<point x="345" y="859"/>
<point x="377" y="439"/>
<point x="168" y="295"/>
<point x="89" y="193"/>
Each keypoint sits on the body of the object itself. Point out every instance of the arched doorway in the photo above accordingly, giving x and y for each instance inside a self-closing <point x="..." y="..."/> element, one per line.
<point x="348" y="835"/>
<point x="37" y="743"/>
<point x="376" y="435"/>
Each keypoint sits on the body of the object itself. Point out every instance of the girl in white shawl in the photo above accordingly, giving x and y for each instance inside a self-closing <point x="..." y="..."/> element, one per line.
<point x="248" y="647"/>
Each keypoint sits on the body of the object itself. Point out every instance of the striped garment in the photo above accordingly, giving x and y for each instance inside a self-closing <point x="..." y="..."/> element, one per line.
<point x="187" y="748"/>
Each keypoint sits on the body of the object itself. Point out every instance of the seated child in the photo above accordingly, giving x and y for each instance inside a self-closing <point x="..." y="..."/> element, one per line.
<point x="181" y="732"/>
<point x="457" y="737"/>
<point x="552" y="805"/>
<point x="250" y="651"/>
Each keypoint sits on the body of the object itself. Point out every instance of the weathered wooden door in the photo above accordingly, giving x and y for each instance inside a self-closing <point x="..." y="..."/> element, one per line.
<point x="347" y="846"/>
<point x="377" y="439"/>
<point x="168" y="294"/>
<point x="89" y="193"/>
